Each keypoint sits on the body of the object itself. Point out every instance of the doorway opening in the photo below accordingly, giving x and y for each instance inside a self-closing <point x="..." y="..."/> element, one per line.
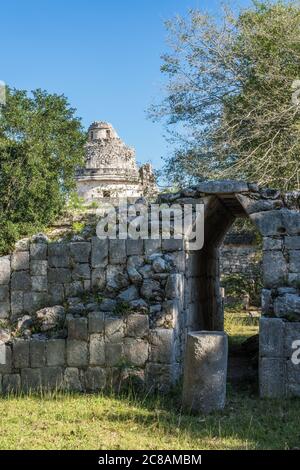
<point x="214" y="306"/>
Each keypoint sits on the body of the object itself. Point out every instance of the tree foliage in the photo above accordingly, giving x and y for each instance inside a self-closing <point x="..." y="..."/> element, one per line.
<point x="228" y="102"/>
<point x="41" y="144"/>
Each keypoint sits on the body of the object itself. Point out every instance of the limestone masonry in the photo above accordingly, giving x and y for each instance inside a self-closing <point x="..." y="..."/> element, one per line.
<point x="110" y="169"/>
<point x="85" y="313"/>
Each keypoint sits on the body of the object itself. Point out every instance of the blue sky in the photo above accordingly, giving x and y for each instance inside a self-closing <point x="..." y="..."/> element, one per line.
<point x="104" y="55"/>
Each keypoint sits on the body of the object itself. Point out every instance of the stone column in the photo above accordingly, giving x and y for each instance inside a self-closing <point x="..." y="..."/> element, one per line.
<point x="205" y="371"/>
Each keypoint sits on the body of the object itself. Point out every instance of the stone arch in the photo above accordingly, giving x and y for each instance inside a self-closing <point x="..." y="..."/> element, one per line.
<point x="277" y="217"/>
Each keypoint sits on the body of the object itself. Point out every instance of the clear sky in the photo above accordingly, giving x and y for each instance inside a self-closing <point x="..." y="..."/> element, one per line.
<point x="104" y="55"/>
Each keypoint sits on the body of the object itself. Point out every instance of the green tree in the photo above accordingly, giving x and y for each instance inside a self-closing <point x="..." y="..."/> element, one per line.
<point x="41" y="144"/>
<point x="228" y="102"/>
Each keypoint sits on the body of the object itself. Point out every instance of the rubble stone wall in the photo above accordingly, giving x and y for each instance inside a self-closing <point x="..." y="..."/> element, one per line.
<point x="86" y="312"/>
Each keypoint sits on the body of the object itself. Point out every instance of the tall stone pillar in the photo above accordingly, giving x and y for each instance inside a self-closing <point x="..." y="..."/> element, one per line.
<point x="205" y="371"/>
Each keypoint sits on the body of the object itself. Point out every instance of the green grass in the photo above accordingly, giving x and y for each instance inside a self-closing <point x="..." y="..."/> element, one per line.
<point x="66" y="421"/>
<point x="108" y="422"/>
<point x="239" y="325"/>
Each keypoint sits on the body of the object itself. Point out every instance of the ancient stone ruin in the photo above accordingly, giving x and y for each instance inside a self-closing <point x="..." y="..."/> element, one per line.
<point x="82" y="314"/>
<point x="110" y="169"/>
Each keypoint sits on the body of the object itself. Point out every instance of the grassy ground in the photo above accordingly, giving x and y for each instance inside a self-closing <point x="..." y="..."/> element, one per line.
<point x="106" y="422"/>
<point x="239" y="325"/>
<point x="130" y="422"/>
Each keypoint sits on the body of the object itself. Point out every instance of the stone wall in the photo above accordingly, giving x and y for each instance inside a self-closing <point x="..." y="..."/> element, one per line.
<point x="82" y="314"/>
<point x="279" y="374"/>
<point x="125" y="307"/>
<point x="239" y="254"/>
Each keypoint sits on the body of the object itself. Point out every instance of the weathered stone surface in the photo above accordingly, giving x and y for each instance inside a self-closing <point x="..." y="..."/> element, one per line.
<point x="20" y="261"/>
<point x="168" y="317"/>
<point x="270" y="243"/>
<point x="52" y="378"/>
<point x="99" y="278"/>
<point x="39" y="283"/>
<point x="178" y="260"/>
<point x="77" y="353"/>
<point x="294" y="261"/>
<point x="150" y="289"/>
<point x="56" y="294"/>
<point x="293" y="390"/>
<point x="31" y="380"/>
<point x="160" y="376"/>
<point x="162" y="345"/>
<point x="292" y="243"/>
<point x="24" y="323"/>
<point x="37" y="351"/>
<point x="113" y="354"/>
<point x="272" y="377"/>
<point x="99" y="252"/>
<point x="78" y="328"/>
<point x="271" y="337"/>
<point x="38" y="251"/>
<point x="266" y="301"/>
<point x="172" y="244"/>
<point x="134" y="247"/>
<point x="152" y="246"/>
<point x="269" y="223"/>
<point x="34" y="301"/>
<point x="139" y="305"/>
<point x="94" y="379"/>
<point x="20" y="280"/>
<point x="134" y="276"/>
<point x="129" y="294"/>
<point x="72" y="380"/>
<point x="80" y="251"/>
<point x="114" y="329"/>
<point x="159" y="265"/>
<point x="258" y="205"/>
<point x="4" y="309"/>
<point x="56" y="352"/>
<point x="59" y="275"/>
<point x="116" y="277"/>
<point x="174" y="286"/>
<point x="146" y="271"/>
<point x="11" y="383"/>
<point x="22" y="245"/>
<point x="58" y="255"/>
<point x="222" y="186"/>
<point x="137" y="325"/>
<point x="81" y="271"/>
<point x="292" y="333"/>
<point x="74" y="289"/>
<point x="4" y="294"/>
<point x="38" y="267"/>
<point x="108" y="305"/>
<point x="50" y="318"/>
<point x="96" y="322"/>
<point x="136" y="351"/>
<point x="17" y="302"/>
<point x="5" y="359"/>
<point x="117" y="251"/>
<point x="293" y="372"/>
<point x="274" y="269"/>
<point x="291" y="221"/>
<point x="20" y="353"/>
<point x="287" y="306"/>
<point x="97" y="349"/>
<point x="205" y="371"/>
<point x="5" y="270"/>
